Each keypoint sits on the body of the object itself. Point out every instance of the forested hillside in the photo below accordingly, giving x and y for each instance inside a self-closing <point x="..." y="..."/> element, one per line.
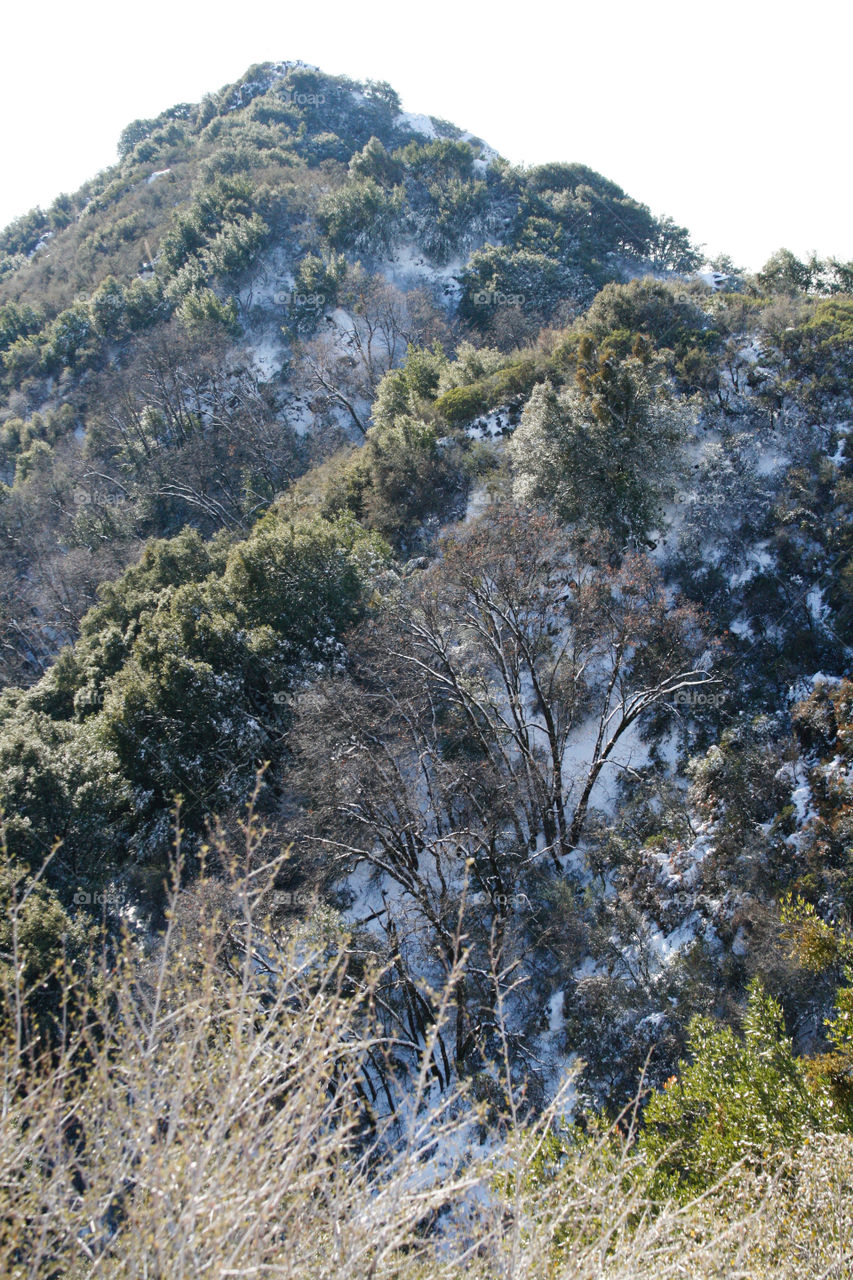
<point x="426" y="606"/>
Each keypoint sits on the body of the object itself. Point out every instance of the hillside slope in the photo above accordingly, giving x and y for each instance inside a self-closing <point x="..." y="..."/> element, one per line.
<point x="185" y="334"/>
<point x="446" y="515"/>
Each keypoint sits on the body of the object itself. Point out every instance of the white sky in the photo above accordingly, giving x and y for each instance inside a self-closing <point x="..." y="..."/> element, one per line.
<point x="733" y="117"/>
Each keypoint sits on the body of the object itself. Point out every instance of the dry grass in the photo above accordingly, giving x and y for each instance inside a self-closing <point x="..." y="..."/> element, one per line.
<point x="224" y="1104"/>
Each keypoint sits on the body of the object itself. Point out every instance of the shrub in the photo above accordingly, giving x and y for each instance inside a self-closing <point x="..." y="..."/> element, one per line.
<point x="461" y="404"/>
<point x="741" y="1099"/>
<point x="601" y="453"/>
<point x="227" y="1092"/>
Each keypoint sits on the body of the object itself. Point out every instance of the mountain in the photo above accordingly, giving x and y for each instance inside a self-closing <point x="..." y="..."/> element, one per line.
<point x="425" y="577"/>
<point x="241" y="230"/>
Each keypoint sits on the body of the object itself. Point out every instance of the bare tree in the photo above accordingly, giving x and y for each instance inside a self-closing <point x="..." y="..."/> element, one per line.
<point x="365" y="337"/>
<point x="534" y="639"/>
<point x="465" y="741"/>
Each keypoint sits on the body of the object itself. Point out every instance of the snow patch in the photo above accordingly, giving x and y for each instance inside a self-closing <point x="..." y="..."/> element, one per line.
<point x="416" y="123"/>
<point x="267" y="357"/>
<point x="713" y="279"/>
<point x="479" y="500"/>
<point x="489" y="426"/>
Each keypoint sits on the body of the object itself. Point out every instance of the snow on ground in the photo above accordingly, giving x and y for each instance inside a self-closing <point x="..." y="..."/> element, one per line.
<point x="843" y="428"/>
<point x="267" y="355"/>
<point x="629" y="753"/>
<point x="752" y="351"/>
<point x="48" y="235"/>
<point x="556" y="1014"/>
<point x="369" y="889"/>
<point x="713" y="279"/>
<point x="409" y="267"/>
<point x="806" y="685"/>
<point x="416" y="124"/>
<point x="660" y="950"/>
<point x="300" y="416"/>
<point x="487" y="155"/>
<point x="490" y="426"/>
<point x="817" y="606"/>
<point x="758" y="558"/>
<point x="677" y="869"/>
<point x="479" y="499"/>
<point x="160" y="173"/>
<point x="801" y="798"/>
<point x="342" y="320"/>
<point x="679" y="865"/>
<point x="770" y="461"/>
<point x="667" y="947"/>
<point x="742" y="628"/>
<point x="560" y="1068"/>
<point x="272" y="282"/>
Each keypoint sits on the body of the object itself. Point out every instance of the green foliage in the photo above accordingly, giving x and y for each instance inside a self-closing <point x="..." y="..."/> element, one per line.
<point x="203" y="310"/>
<point x="19" y="439"/>
<point x="35" y="460"/>
<point x="59" y="784"/>
<point x="145" y="304"/>
<point x="472" y="364"/>
<point x="410" y="388"/>
<point x="588" y="225"/>
<point x="69" y="339"/>
<point x="601" y="452"/>
<point x="499" y="278"/>
<point x="819" y="350"/>
<point x="816" y="944"/>
<point x="134" y="133"/>
<point x="304" y="581"/>
<point x="184" y="674"/>
<point x="165" y="562"/>
<point x="403" y="475"/>
<point x="320" y="277"/>
<point x="736" y="782"/>
<point x="821" y="947"/>
<point x="75" y="337"/>
<point x="785" y="274"/>
<point x="382" y="92"/>
<point x="41" y="944"/>
<point x="429" y="383"/>
<point x="235" y="245"/>
<point x="108" y="308"/>
<point x="439" y="161"/>
<point x="18" y="321"/>
<point x="176" y="685"/>
<point x="461" y="404"/>
<point x="22" y="235"/>
<point x="667" y="316"/>
<point x="361" y="216"/>
<point x="741" y="1098"/>
<point x="214" y="206"/>
<point x="226" y="254"/>
<point x="374" y="162"/>
<point x="317" y="283"/>
<point x="834" y="1070"/>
